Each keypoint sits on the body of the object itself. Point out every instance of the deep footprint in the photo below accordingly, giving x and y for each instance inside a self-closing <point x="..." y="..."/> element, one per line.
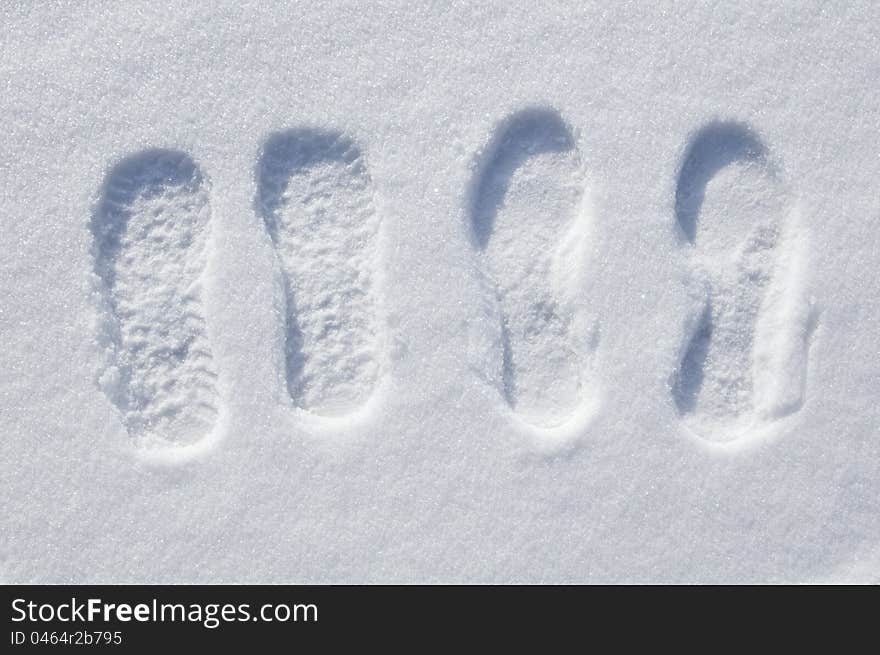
<point x="732" y="209"/>
<point x="315" y="197"/>
<point x="525" y="201"/>
<point x="150" y="231"/>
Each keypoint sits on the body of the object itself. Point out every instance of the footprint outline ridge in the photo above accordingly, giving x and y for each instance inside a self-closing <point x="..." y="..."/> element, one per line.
<point x="316" y="200"/>
<point x="528" y="228"/>
<point x="746" y="254"/>
<point x="150" y="230"/>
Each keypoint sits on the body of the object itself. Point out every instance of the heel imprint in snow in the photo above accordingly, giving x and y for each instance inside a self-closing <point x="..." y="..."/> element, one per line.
<point x="150" y="234"/>
<point x="315" y="196"/>
<point x="528" y="227"/>
<point x="744" y="365"/>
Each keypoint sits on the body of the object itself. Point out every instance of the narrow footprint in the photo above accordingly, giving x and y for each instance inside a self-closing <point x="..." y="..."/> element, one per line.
<point x="526" y="214"/>
<point x="315" y="196"/>
<point x="150" y="233"/>
<point x="746" y="358"/>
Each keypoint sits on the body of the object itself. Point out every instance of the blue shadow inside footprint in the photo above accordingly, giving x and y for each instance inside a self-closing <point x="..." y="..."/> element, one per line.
<point x="526" y="133"/>
<point x="144" y="174"/>
<point x="287" y="152"/>
<point x="715" y="146"/>
<point x="689" y="379"/>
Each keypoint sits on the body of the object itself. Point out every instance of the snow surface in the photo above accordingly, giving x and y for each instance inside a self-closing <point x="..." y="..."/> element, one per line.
<point x="496" y="292"/>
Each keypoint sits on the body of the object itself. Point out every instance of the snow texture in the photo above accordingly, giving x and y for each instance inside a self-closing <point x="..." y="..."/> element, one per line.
<point x="469" y="292"/>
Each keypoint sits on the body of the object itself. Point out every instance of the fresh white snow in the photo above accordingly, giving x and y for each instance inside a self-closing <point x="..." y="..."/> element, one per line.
<point x="440" y="292"/>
